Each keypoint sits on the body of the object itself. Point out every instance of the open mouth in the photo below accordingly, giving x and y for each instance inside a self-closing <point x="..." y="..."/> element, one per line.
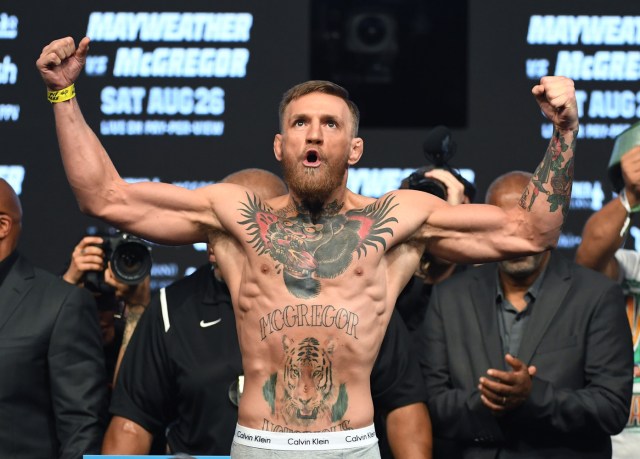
<point x="312" y="159"/>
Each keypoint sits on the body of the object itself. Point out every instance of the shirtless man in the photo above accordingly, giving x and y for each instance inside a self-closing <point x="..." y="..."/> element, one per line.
<point x="313" y="274"/>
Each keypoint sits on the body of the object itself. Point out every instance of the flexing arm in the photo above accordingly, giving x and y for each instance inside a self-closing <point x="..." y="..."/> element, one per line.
<point x="480" y="233"/>
<point x="601" y="236"/>
<point x="126" y="437"/>
<point x="160" y="212"/>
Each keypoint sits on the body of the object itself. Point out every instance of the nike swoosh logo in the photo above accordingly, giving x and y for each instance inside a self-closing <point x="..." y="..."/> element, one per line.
<point x="204" y="324"/>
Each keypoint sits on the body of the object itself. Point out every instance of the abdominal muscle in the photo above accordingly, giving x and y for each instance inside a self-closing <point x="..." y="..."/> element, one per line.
<point x="307" y="363"/>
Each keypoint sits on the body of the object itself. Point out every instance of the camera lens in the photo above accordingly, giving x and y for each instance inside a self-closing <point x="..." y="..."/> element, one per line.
<point x="131" y="262"/>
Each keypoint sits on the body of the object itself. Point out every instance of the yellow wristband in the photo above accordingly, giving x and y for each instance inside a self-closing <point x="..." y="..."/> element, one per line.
<point x="62" y="94"/>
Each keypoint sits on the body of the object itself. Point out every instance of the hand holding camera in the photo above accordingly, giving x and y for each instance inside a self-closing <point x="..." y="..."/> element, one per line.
<point x="454" y="188"/>
<point x="439" y="178"/>
<point x="128" y="258"/>
<point x="86" y="256"/>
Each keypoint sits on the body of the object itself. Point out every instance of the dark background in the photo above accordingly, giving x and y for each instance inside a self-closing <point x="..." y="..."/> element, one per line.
<point x="409" y="64"/>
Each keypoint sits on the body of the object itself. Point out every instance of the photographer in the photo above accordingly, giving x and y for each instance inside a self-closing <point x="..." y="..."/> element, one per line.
<point x="442" y="180"/>
<point x="412" y="302"/>
<point x="433" y="269"/>
<point x="116" y="299"/>
<point x="135" y="299"/>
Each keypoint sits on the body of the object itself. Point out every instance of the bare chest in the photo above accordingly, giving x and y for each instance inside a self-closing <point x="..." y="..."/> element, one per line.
<point x="311" y="256"/>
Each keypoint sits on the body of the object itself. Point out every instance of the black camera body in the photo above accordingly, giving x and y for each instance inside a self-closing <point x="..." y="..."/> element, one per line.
<point x="417" y="181"/>
<point x="130" y="259"/>
<point x="439" y="149"/>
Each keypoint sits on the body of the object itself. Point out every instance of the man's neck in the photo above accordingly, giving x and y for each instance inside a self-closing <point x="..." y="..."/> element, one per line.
<point x="313" y="210"/>
<point x="515" y="288"/>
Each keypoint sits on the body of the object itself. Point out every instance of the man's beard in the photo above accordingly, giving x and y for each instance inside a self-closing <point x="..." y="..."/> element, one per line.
<point x="313" y="185"/>
<point x="522" y="267"/>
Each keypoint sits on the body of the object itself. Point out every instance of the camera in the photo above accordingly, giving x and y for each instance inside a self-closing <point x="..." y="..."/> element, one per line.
<point x="438" y="148"/>
<point x="130" y="259"/>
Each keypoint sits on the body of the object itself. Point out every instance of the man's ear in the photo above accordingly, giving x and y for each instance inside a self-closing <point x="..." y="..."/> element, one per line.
<point x="277" y="146"/>
<point x="6" y="223"/>
<point x="357" y="147"/>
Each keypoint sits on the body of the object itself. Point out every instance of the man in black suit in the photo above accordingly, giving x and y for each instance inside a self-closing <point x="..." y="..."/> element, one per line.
<point x="528" y="357"/>
<point x="53" y="390"/>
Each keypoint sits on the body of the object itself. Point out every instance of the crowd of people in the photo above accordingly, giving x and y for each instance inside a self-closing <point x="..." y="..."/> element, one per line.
<point x="288" y="340"/>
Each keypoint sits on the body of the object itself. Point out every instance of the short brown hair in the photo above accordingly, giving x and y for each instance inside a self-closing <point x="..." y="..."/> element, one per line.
<point x="325" y="87"/>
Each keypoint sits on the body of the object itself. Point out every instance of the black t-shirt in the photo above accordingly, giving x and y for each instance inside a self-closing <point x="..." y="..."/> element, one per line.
<point x="414" y="298"/>
<point x="396" y="379"/>
<point x="412" y="302"/>
<point x="180" y="378"/>
<point x="178" y="369"/>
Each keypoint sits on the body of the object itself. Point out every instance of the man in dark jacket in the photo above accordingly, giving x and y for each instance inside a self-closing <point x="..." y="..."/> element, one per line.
<point x="53" y="390"/>
<point x="529" y="357"/>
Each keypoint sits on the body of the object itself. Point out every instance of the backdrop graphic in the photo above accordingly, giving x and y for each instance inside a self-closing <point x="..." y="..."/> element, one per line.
<point x="189" y="94"/>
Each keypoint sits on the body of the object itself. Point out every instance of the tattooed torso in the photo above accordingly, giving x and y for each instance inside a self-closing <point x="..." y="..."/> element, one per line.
<point x="312" y="305"/>
<point x="313" y="291"/>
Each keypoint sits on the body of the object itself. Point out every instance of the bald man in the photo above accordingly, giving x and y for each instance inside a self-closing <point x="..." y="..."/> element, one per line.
<point x="261" y="181"/>
<point x="528" y="357"/>
<point x="53" y="391"/>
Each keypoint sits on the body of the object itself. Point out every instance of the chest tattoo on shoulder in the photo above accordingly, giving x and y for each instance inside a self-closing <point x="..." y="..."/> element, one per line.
<point x="307" y="250"/>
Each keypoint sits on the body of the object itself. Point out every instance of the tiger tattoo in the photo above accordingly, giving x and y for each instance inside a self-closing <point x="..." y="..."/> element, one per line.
<point x="303" y="392"/>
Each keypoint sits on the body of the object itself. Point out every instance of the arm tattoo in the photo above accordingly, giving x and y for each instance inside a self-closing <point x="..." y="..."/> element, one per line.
<point x="305" y="250"/>
<point x="132" y="319"/>
<point x="553" y="171"/>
